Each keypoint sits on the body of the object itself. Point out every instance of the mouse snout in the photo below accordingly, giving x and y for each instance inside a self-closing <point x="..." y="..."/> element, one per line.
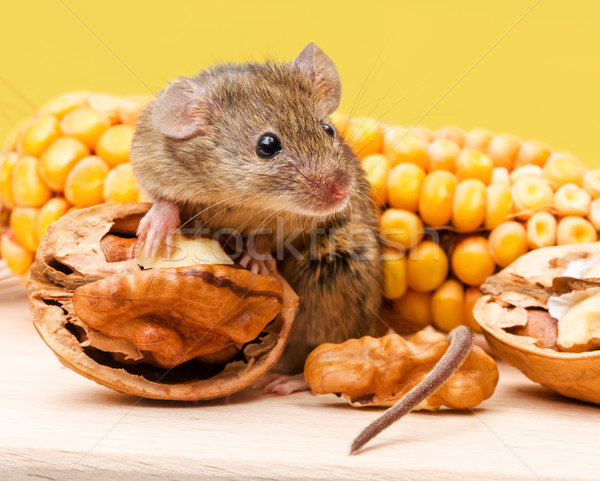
<point x="340" y="188"/>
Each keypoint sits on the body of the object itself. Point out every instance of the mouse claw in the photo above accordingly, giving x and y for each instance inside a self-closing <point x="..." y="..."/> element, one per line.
<point x="156" y="229"/>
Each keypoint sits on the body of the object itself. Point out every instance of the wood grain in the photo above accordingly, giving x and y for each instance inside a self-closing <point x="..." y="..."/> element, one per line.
<point x="58" y="425"/>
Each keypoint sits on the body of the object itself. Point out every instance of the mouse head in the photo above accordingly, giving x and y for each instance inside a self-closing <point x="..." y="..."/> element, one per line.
<point x="260" y="135"/>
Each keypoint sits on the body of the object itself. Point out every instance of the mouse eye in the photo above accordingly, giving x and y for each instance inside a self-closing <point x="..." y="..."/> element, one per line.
<point x="268" y="145"/>
<point x="328" y="128"/>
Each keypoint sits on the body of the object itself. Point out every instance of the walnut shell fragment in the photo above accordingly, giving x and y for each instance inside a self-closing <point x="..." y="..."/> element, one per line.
<point x="185" y="333"/>
<point x="379" y="371"/>
<point x="513" y="314"/>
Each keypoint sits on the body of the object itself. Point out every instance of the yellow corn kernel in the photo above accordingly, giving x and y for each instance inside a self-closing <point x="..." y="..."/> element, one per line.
<point x="27" y="186"/>
<point x="571" y="199"/>
<point x="447" y="305"/>
<point x="364" y="135"/>
<point x="107" y="104"/>
<point x="120" y="185"/>
<point x="6" y="191"/>
<point x="472" y="262"/>
<point x="507" y="242"/>
<point x="427" y="267"/>
<point x="404" y="186"/>
<point x="453" y="133"/>
<point x="401" y="228"/>
<point x="85" y="124"/>
<point x="473" y="164"/>
<point x="591" y="183"/>
<point x="377" y="172"/>
<point x="39" y="135"/>
<point x="84" y="184"/>
<point x="394" y="273"/>
<point x="469" y="205"/>
<point x="573" y="230"/>
<point x="422" y="133"/>
<point x="478" y="139"/>
<point x="442" y="155"/>
<point x="472" y="295"/>
<point x="63" y="104"/>
<point x="18" y="259"/>
<point x="563" y="168"/>
<point x="525" y="171"/>
<point x="594" y="214"/>
<point x="541" y="230"/>
<point x="414" y="309"/>
<point x="533" y="152"/>
<point x="58" y="160"/>
<point x="131" y="107"/>
<point x="23" y="221"/>
<point x="498" y="205"/>
<point x="500" y="175"/>
<point x="435" y="202"/>
<point x="52" y="210"/>
<point x="408" y="149"/>
<point x="15" y="134"/>
<point x="503" y="149"/>
<point x="530" y="195"/>
<point x="114" y="144"/>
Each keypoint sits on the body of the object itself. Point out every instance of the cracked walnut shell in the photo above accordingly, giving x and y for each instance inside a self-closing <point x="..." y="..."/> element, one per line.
<point x="184" y="333"/>
<point x="379" y="371"/>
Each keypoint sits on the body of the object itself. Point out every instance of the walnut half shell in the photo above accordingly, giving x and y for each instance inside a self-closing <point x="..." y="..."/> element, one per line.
<point x="186" y="333"/>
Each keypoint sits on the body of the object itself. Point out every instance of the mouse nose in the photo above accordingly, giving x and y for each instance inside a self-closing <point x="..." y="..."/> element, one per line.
<point x="340" y="189"/>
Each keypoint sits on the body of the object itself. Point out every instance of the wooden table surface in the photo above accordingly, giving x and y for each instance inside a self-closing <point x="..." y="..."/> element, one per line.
<point x="58" y="425"/>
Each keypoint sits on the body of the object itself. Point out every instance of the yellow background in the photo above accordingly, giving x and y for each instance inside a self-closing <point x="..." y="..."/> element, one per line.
<point x="501" y="65"/>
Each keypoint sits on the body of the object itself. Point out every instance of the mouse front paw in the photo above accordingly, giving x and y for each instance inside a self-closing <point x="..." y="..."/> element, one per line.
<point x="256" y="257"/>
<point x="282" y="384"/>
<point x="157" y="227"/>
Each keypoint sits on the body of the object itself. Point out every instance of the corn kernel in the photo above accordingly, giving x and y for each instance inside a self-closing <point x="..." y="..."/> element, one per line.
<point x="39" y="135"/>
<point x="541" y="230"/>
<point x="571" y="199"/>
<point x="427" y="267"/>
<point x="469" y="205"/>
<point x="472" y="295"/>
<point x="500" y="175"/>
<point x="573" y="230"/>
<point x="65" y="103"/>
<point x="435" y="202"/>
<point x="447" y="305"/>
<point x="85" y="124"/>
<point x="594" y="214"/>
<point x="18" y="259"/>
<point x="377" y="172"/>
<point x="525" y="171"/>
<point x="58" y="160"/>
<point x="422" y="133"/>
<point x="13" y="139"/>
<point x="52" y="210"/>
<point x="472" y="262"/>
<point x="131" y="107"/>
<point x="107" y="104"/>
<point x="394" y="273"/>
<point x="507" y="242"/>
<point x="473" y="164"/>
<point x="591" y="183"/>
<point x="6" y="191"/>
<point x="532" y="152"/>
<point x="503" y="149"/>
<point x="84" y="184"/>
<point x="27" y="186"/>
<point x="415" y="310"/>
<point x="442" y="155"/>
<point x="478" y="139"/>
<point x="401" y="228"/>
<point x="498" y="205"/>
<point x="23" y="221"/>
<point x="404" y="186"/>
<point x="408" y="149"/>
<point x="114" y="144"/>
<point x="563" y="168"/>
<point x="453" y="133"/>
<point x="530" y="195"/>
<point x="364" y="135"/>
<point x="120" y="185"/>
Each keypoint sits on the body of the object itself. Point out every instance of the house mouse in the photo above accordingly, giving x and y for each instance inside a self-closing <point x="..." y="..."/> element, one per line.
<point x="250" y="150"/>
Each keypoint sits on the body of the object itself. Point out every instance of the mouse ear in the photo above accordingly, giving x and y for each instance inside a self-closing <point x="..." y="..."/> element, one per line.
<point x="321" y="70"/>
<point x="177" y="112"/>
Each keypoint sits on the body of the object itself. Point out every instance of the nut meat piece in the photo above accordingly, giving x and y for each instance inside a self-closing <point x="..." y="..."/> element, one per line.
<point x="370" y="371"/>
